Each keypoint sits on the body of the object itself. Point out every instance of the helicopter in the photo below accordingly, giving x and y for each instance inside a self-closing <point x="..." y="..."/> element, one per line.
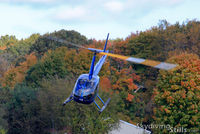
<point x="86" y="87"/>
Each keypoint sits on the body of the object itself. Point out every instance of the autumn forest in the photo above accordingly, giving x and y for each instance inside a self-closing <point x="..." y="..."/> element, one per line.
<point x="37" y="74"/>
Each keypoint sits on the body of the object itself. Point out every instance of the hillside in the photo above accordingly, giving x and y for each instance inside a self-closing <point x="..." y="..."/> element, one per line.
<point x="37" y="74"/>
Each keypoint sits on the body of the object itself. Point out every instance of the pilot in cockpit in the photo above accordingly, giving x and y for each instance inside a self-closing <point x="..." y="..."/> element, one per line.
<point x="85" y="85"/>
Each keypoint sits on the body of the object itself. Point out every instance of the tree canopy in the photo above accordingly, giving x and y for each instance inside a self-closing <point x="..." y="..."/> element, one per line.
<point x="37" y="74"/>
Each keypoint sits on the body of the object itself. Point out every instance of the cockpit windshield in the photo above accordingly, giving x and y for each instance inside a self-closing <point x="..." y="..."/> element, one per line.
<point x="84" y="83"/>
<point x="85" y="86"/>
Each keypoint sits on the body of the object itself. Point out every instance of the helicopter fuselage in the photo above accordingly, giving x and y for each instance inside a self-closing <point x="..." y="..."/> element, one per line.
<point x="87" y="85"/>
<point x="85" y="90"/>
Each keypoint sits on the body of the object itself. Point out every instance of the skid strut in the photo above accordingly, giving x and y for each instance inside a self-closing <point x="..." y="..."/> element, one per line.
<point x="104" y="104"/>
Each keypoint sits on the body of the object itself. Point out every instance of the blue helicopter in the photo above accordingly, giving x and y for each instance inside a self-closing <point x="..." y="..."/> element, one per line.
<point x="87" y="85"/>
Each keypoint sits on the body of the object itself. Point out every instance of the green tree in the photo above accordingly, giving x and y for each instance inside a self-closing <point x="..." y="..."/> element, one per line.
<point x="16" y="51"/>
<point x="7" y="40"/>
<point x="43" y="44"/>
<point x="5" y="96"/>
<point x="22" y="112"/>
<point x="73" y="117"/>
<point x="52" y="64"/>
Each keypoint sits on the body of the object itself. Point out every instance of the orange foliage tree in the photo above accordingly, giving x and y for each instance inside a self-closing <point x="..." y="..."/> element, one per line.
<point x="105" y="84"/>
<point x="131" y="104"/>
<point x="17" y="74"/>
<point x="177" y="95"/>
<point x="124" y="80"/>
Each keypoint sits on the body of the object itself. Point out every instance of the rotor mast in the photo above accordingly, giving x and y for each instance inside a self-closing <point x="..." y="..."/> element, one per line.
<point x="94" y="57"/>
<point x="92" y="66"/>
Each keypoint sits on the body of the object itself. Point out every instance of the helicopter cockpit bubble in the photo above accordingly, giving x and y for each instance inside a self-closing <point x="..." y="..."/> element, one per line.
<point x="84" y="86"/>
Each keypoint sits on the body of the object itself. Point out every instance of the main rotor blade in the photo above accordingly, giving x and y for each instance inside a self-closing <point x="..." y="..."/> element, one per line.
<point x="152" y="63"/>
<point x="65" y="42"/>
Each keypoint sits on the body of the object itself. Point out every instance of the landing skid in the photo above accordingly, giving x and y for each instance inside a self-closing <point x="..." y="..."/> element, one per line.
<point x="68" y="100"/>
<point x="104" y="104"/>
